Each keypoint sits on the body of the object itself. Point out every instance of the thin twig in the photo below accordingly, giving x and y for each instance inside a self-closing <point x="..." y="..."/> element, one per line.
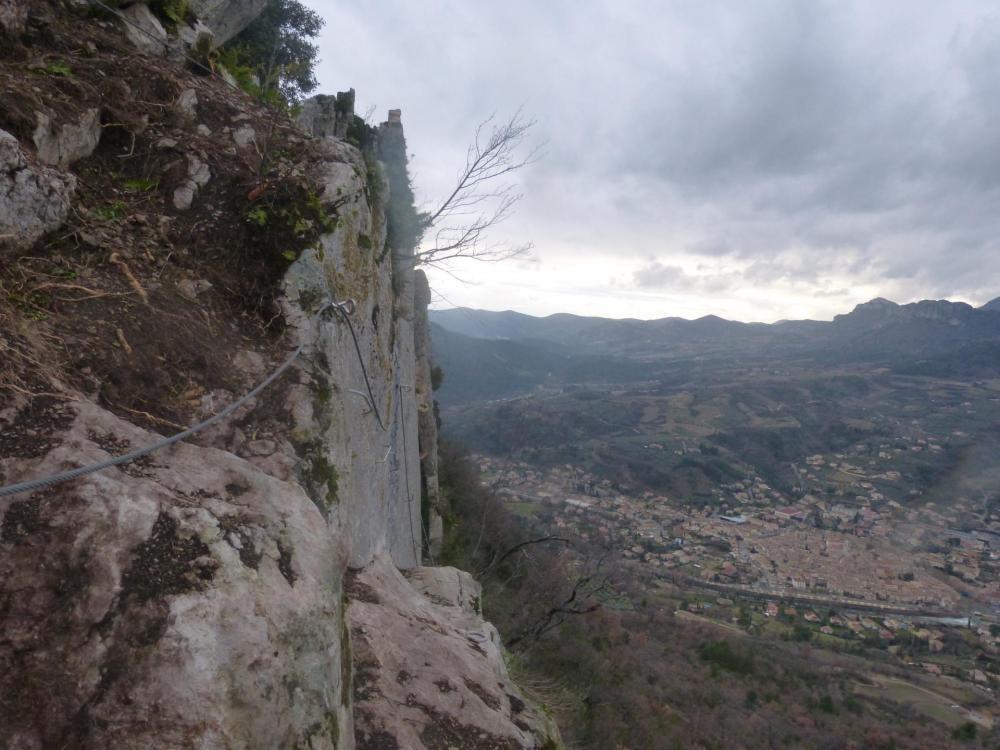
<point x="151" y="417"/>
<point x="120" y="335"/>
<point x="517" y="547"/>
<point x="34" y="394"/>
<point x="91" y="293"/>
<point x="117" y="260"/>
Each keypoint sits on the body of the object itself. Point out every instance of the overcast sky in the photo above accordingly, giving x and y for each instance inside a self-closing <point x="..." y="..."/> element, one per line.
<point x="755" y="160"/>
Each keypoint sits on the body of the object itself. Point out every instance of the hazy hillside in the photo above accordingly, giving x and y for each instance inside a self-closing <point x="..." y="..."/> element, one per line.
<point x="497" y="368"/>
<point x="496" y="354"/>
<point x="993" y="304"/>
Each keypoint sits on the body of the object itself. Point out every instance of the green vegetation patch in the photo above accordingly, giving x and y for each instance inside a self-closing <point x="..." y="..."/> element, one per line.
<point x="319" y="476"/>
<point x="58" y="68"/>
<point x="115" y="211"/>
<point x="722" y="654"/>
<point x="141" y="185"/>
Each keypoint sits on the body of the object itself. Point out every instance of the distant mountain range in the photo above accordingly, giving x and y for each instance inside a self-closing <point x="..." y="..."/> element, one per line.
<point x="487" y="354"/>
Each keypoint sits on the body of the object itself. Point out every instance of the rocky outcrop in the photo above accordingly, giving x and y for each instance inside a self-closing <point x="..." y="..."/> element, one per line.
<point x="195" y="597"/>
<point x="215" y="22"/>
<point x="34" y="199"/>
<point x="144" y="30"/>
<point x="60" y="144"/>
<point x="324" y="116"/>
<point x="427" y="420"/>
<point x="188" y="600"/>
<point x="226" y="18"/>
<point x="448" y="687"/>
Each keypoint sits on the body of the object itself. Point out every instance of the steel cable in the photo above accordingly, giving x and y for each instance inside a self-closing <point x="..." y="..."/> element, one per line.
<point x="361" y="360"/>
<point x="36" y="484"/>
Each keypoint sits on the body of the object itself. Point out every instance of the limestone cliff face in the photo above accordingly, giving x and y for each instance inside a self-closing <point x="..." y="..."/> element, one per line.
<point x="427" y="420"/>
<point x="197" y="597"/>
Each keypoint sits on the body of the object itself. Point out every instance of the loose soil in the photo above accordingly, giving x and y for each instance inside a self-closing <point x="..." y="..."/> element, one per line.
<point x="103" y="307"/>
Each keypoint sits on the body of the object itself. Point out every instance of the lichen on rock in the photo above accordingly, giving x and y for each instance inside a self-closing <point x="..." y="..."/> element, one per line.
<point x="146" y="601"/>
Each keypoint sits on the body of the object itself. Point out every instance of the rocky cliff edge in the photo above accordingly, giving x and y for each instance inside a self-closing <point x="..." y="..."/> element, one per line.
<point x="165" y="243"/>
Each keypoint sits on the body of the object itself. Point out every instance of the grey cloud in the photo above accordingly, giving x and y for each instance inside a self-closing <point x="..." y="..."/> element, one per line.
<point x="710" y="247"/>
<point x="656" y="275"/>
<point x="789" y="141"/>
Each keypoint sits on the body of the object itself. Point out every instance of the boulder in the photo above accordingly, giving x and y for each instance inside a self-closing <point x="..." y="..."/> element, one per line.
<point x="61" y="144"/>
<point x="244" y="136"/>
<point x="198" y="175"/>
<point x="186" y="106"/>
<point x="187" y="600"/>
<point x="227" y="18"/>
<point x="34" y="199"/>
<point x="144" y="30"/>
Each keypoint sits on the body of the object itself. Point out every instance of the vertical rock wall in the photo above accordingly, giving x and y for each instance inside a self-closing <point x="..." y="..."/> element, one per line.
<point x="370" y="443"/>
<point x="426" y="417"/>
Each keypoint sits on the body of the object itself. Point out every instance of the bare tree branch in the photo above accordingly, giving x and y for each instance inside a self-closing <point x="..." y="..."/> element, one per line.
<point x="581" y="600"/>
<point x="496" y="561"/>
<point x="480" y="200"/>
<point x="558" y="614"/>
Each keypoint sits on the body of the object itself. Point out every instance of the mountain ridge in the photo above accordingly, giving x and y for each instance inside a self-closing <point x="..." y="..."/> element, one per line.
<point x="484" y="320"/>
<point x="502" y="353"/>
